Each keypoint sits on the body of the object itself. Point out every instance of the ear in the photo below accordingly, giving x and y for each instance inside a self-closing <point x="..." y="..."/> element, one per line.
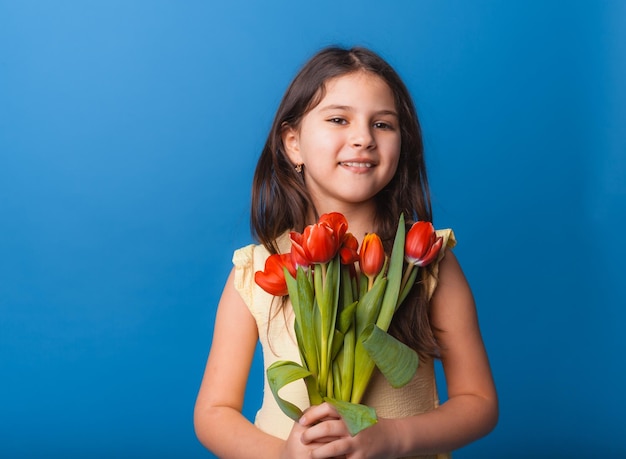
<point x="291" y="142"/>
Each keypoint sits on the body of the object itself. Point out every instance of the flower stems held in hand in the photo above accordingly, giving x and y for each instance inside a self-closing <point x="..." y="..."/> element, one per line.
<point x="341" y="326"/>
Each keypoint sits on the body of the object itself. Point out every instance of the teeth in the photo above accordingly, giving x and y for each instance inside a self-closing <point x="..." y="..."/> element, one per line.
<point x="352" y="164"/>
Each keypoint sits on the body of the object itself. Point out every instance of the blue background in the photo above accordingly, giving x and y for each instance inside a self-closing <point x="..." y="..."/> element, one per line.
<point x="129" y="132"/>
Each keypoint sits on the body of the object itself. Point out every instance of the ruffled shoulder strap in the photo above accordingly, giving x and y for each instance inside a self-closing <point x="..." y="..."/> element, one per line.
<point x="250" y="259"/>
<point x="243" y="260"/>
<point x="449" y="241"/>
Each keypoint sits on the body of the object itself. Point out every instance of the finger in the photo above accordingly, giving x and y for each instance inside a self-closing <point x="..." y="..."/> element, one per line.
<point x="325" y="431"/>
<point x="318" y="413"/>
<point x="335" y="449"/>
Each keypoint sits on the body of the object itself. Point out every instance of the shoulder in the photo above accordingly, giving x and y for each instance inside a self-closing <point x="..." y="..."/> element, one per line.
<point x="453" y="309"/>
<point x="451" y="281"/>
<point x="246" y="261"/>
<point x="256" y="254"/>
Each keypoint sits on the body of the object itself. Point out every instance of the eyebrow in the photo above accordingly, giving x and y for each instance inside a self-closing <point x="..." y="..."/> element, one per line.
<point x="348" y="108"/>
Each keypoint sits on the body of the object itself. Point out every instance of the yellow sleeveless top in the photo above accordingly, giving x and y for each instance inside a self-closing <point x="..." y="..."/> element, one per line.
<point x="278" y="342"/>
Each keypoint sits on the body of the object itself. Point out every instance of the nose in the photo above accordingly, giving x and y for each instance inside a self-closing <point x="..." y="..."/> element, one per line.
<point x="361" y="136"/>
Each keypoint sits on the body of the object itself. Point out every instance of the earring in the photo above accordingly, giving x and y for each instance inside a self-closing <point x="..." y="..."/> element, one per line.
<point x="298" y="168"/>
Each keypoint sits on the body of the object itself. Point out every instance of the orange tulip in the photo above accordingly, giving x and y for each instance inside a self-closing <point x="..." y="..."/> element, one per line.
<point x="272" y="279"/>
<point x="372" y="255"/>
<point x="422" y="244"/>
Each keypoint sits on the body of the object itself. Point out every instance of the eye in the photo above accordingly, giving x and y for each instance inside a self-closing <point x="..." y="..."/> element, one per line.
<point x="383" y="125"/>
<point x="337" y="120"/>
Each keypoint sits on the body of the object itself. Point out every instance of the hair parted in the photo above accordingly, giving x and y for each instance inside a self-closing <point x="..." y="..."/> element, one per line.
<point x="281" y="202"/>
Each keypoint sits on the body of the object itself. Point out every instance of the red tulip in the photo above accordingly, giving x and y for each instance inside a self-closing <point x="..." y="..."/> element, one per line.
<point x="337" y="222"/>
<point x="320" y="243"/>
<point x="349" y="249"/>
<point x="272" y="279"/>
<point x="422" y="244"/>
<point x="298" y="254"/>
<point x="372" y="255"/>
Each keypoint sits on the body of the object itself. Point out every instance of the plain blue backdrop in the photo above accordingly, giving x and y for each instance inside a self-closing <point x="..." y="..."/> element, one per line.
<point x="129" y="132"/>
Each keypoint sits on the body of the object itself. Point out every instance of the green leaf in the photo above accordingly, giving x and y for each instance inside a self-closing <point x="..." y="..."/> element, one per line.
<point x="363" y="369"/>
<point x="394" y="278"/>
<point x="302" y="301"/>
<point x="368" y="309"/>
<point x="327" y="285"/>
<point x="347" y="287"/>
<point x="409" y="285"/>
<point x="336" y="376"/>
<point x="357" y="417"/>
<point x="395" y="360"/>
<point x="347" y="364"/>
<point x="346" y="317"/>
<point x="337" y="344"/>
<point x="283" y="372"/>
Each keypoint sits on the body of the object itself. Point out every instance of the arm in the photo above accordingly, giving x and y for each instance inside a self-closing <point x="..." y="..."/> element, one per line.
<point x="472" y="408"/>
<point x="218" y="421"/>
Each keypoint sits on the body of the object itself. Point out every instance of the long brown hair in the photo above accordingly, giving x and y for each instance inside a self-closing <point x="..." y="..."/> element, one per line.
<point x="281" y="202"/>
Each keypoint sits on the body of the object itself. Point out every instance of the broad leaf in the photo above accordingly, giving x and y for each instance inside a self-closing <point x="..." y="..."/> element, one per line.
<point x="357" y="417"/>
<point x="394" y="276"/>
<point x="281" y="373"/>
<point x="395" y="360"/>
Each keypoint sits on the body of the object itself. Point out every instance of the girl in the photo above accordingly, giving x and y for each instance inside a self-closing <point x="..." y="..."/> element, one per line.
<point x="345" y="139"/>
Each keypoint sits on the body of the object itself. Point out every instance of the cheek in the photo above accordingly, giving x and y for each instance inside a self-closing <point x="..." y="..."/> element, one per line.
<point x="393" y="148"/>
<point x="394" y="159"/>
<point x="320" y="148"/>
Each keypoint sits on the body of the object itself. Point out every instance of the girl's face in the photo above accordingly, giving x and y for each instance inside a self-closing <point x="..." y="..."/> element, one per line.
<point x="349" y="143"/>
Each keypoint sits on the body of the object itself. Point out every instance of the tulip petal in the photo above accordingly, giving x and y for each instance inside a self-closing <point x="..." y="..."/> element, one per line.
<point x="271" y="283"/>
<point x="349" y="249"/>
<point x="422" y="244"/>
<point x="337" y="222"/>
<point x="319" y="243"/>
<point x="432" y="253"/>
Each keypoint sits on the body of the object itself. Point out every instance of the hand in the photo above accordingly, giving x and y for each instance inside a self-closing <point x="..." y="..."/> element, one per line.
<point x="296" y="448"/>
<point x="329" y="434"/>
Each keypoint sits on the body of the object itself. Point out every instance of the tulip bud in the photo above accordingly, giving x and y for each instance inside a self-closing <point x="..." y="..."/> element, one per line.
<point x="372" y="255"/>
<point x="422" y="244"/>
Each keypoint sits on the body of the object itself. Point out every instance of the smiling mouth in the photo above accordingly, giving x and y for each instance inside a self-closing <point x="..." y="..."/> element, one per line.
<point x="357" y="164"/>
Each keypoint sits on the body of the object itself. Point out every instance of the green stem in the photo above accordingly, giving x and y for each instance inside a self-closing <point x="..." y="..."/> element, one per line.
<point x="405" y="278"/>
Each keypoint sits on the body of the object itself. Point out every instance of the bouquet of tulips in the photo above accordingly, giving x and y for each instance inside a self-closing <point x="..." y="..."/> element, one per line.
<point x="342" y="313"/>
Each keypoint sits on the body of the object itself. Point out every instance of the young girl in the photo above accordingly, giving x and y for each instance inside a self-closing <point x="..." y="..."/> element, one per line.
<point x="345" y="139"/>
